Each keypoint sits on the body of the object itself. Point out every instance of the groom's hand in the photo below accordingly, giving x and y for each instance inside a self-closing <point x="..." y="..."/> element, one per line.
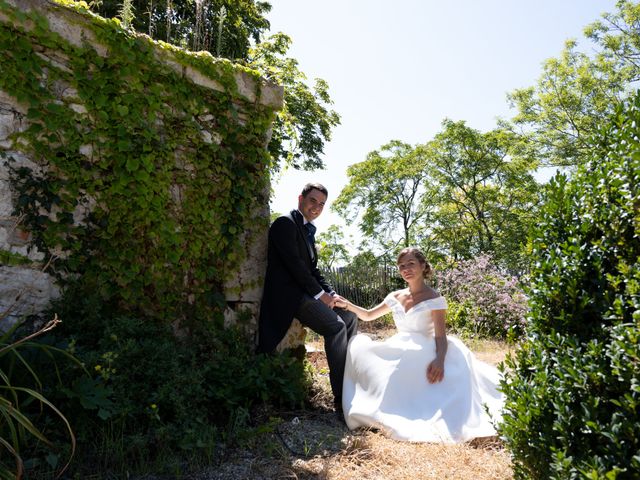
<point x="328" y="300"/>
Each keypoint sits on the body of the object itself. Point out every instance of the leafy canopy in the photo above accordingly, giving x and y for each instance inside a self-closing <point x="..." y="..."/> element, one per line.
<point x="483" y="193"/>
<point x="306" y="119"/>
<point x="332" y="250"/>
<point x="576" y="92"/>
<point x="386" y="190"/>
<point x="458" y="195"/>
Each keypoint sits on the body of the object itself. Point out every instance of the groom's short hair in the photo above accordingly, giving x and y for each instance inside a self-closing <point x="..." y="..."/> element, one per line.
<point x="314" y="186"/>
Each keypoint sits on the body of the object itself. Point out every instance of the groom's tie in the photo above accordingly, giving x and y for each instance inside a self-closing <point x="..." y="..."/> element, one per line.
<point x="311" y="231"/>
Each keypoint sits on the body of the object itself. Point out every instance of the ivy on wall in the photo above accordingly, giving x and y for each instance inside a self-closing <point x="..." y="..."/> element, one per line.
<point x="128" y="139"/>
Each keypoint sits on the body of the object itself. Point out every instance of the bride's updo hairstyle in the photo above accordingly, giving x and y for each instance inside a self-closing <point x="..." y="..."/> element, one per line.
<point x="428" y="271"/>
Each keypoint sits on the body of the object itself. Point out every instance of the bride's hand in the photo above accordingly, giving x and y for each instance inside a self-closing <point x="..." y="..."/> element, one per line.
<point x="435" y="371"/>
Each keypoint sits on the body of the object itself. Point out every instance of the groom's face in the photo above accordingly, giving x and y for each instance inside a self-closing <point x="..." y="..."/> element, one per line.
<point x="311" y="206"/>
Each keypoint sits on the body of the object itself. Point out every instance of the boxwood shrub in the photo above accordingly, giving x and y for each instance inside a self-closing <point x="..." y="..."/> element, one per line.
<point x="573" y="389"/>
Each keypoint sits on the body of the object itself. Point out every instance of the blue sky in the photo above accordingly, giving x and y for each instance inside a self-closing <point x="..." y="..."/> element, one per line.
<point x="397" y="69"/>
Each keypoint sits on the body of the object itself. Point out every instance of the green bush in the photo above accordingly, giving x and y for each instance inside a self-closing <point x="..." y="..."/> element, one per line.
<point x="157" y="398"/>
<point x="484" y="300"/>
<point x="573" y="394"/>
<point x="460" y="318"/>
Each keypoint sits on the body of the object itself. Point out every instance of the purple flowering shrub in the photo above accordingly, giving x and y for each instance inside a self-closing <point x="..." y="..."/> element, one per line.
<point x="483" y="300"/>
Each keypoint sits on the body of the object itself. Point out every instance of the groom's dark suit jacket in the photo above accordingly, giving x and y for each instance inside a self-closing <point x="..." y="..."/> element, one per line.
<point x="291" y="272"/>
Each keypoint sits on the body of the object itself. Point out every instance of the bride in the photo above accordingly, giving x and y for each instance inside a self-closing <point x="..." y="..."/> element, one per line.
<point x="419" y="385"/>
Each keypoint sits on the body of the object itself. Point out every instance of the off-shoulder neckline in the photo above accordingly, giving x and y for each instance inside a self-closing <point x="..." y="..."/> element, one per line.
<point x="415" y="305"/>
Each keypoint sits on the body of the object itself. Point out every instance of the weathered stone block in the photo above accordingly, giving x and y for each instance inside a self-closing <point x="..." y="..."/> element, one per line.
<point x="294" y="338"/>
<point x="24" y="291"/>
<point x="246" y="283"/>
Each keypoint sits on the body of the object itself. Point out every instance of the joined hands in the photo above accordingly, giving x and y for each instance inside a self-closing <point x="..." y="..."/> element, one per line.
<point x="340" y="301"/>
<point x="334" y="300"/>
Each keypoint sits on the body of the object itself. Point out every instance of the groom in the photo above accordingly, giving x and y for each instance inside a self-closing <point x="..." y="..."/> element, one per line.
<point x="294" y="287"/>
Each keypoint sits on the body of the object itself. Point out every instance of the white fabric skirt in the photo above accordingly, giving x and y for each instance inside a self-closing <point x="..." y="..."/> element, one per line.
<point x="386" y="387"/>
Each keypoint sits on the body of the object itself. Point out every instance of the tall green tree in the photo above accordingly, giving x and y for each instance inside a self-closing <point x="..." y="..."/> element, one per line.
<point x="484" y="197"/>
<point x="576" y="91"/>
<point x="459" y="195"/>
<point x="332" y="248"/>
<point x="306" y="120"/>
<point x="385" y="192"/>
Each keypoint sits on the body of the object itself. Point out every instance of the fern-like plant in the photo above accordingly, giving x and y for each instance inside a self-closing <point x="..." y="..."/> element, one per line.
<point x="16" y="427"/>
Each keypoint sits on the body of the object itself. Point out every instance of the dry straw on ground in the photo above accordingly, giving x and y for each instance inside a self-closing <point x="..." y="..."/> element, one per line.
<point x="369" y="455"/>
<point x="374" y="456"/>
<point x="313" y="444"/>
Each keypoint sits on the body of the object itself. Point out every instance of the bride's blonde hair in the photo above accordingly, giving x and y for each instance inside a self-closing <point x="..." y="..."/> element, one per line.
<point x="428" y="271"/>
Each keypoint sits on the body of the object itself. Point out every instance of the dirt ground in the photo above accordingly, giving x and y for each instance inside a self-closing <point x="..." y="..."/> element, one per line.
<point x="314" y="444"/>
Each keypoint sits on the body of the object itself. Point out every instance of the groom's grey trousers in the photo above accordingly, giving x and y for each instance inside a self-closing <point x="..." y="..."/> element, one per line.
<point x="337" y="326"/>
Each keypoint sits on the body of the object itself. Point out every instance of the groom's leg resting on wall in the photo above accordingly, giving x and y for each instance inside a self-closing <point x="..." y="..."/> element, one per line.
<point x="336" y="327"/>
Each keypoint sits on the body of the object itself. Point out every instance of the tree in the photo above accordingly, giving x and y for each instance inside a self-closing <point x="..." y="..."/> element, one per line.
<point x="223" y="27"/>
<point x="386" y="189"/>
<point x="457" y="196"/>
<point x="576" y="92"/>
<point x="366" y="260"/>
<point x="483" y="198"/>
<point x="617" y="34"/>
<point x="331" y="249"/>
<point x="306" y="120"/>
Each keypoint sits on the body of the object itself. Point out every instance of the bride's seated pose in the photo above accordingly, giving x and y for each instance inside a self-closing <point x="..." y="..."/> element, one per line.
<point x="419" y="385"/>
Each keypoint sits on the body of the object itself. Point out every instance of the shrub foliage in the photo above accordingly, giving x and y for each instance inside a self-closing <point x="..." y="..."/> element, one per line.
<point x="573" y="408"/>
<point x="483" y="300"/>
<point x="153" y="398"/>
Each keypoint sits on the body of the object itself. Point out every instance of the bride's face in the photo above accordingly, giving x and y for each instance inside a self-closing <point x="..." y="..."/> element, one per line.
<point x="410" y="267"/>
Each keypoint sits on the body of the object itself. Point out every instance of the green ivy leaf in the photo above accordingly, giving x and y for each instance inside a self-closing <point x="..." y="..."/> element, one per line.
<point x="132" y="164"/>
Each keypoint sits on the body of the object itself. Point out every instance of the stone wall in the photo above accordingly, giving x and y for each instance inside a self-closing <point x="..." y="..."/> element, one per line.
<point x="25" y="286"/>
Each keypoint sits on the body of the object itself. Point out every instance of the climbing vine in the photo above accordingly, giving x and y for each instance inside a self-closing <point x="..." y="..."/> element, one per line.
<point x="139" y="187"/>
<point x="133" y="194"/>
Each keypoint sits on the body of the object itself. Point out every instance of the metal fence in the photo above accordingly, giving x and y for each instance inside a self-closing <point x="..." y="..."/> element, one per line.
<point x="366" y="287"/>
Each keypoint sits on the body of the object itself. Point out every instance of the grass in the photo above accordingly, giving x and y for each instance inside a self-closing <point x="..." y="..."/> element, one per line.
<point x="313" y="444"/>
<point x="489" y="351"/>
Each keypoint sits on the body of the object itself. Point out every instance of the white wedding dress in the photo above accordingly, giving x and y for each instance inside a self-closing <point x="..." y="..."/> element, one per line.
<point x="385" y="383"/>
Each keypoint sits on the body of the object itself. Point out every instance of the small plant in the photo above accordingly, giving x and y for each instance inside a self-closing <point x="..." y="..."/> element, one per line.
<point x="16" y="425"/>
<point x="152" y="391"/>
<point x="126" y="13"/>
